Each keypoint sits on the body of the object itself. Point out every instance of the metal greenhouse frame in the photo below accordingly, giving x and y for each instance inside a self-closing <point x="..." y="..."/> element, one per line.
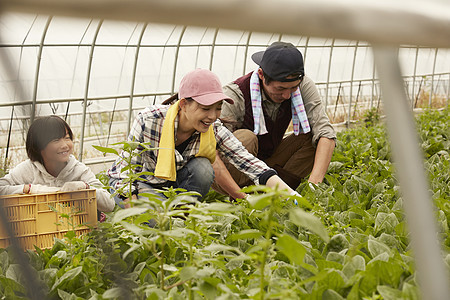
<point x="418" y="23"/>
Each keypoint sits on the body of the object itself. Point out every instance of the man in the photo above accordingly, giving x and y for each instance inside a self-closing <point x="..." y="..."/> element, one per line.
<point x="265" y="102"/>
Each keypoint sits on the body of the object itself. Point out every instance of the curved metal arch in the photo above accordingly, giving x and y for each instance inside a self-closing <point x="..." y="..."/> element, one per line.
<point x="200" y="45"/>
<point x="413" y="96"/>
<point x="38" y="69"/>
<point x="329" y="73"/>
<point x="175" y="64"/>
<point x="351" y="84"/>
<point x="246" y="52"/>
<point x="374" y="72"/>
<point x="213" y="48"/>
<point x="432" y="77"/>
<point x="86" y="91"/>
<point x="133" y="77"/>
<point x="306" y="49"/>
<point x="448" y="89"/>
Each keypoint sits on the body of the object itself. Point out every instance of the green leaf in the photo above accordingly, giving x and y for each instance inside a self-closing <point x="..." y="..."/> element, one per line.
<point x="355" y="263"/>
<point x="388" y="240"/>
<point x="338" y="243"/>
<point x="14" y="272"/>
<point x="244" y="234"/>
<point x="386" y="272"/>
<point x="389" y="293"/>
<point x="341" y="200"/>
<point x="178" y="233"/>
<point x="208" y="290"/>
<point x="220" y="207"/>
<point x="4" y="261"/>
<point x="381" y="257"/>
<point x="376" y="248"/>
<point x="130" y="146"/>
<point x="292" y="248"/>
<point x="170" y="268"/>
<point x="106" y="149"/>
<point x="188" y="273"/>
<point x="336" y="257"/>
<point x="301" y="218"/>
<point x="410" y="292"/>
<point x="386" y="222"/>
<point x="66" y="296"/>
<point x="335" y="167"/>
<point x="125" y="213"/>
<point x="69" y="275"/>
<point x="114" y="293"/>
<point x="259" y="202"/>
<point x="155" y="294"/>
<point x="137" y="230"/>
<point x="354" y="293"/>
<point x="70" y="234"/>
<point x="332" y="280"/>
<point x="48" y="275"/>
<point x="130" y="250"/>
<point x="331" y="295"/>
<point x="219" y="248"/>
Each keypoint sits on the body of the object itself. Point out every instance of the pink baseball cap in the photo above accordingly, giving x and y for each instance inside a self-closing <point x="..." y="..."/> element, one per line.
<point x="203" y="86"/>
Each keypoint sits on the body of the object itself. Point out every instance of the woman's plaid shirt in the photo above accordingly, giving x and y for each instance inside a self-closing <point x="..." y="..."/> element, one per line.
<point x="147" y="128"/>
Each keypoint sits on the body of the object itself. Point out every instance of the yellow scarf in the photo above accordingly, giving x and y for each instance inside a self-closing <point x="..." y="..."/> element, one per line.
<point x="165" y="164"/>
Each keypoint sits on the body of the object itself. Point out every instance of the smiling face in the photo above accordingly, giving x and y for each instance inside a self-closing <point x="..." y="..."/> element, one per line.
<point x="278" y="91"/>
<point x="198" y="117"/>
<point x="50" y="137"/>
<point x="58" y="151"/>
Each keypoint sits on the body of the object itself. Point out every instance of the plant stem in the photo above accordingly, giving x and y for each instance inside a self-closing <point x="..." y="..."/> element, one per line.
<point x="162" y="262"/>
<point x="191" y="257"/>
<point x="174" y="285"/>
<point x="190" y="290"/>
<point x="267" y="244"/>
<point x="191" y="246"/>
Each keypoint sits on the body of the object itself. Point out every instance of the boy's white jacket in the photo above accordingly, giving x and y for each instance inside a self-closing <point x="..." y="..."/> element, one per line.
<point x="35" y="173"/>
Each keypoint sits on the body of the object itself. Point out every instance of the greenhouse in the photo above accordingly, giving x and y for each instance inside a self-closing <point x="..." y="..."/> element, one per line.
<point x="376" y="226"/>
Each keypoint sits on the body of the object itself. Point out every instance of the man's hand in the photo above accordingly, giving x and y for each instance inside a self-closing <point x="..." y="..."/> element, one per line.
<point x="294" y="193"/>
<point x="324" y="151"/>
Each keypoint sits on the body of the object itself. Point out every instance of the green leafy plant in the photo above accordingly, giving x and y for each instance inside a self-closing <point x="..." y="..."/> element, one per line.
<point x="275" y="202"/>
<point x="347" y="238"/>
<point x="371" y="117"/>
<point x="131" y="150"/>
<point x="67" y="219"/>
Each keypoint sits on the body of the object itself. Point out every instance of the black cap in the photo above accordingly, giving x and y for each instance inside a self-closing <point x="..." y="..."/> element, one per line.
<point x="280" y="60"/>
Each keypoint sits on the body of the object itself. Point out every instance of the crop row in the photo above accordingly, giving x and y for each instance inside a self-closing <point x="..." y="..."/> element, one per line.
<point x="346" y="239"/>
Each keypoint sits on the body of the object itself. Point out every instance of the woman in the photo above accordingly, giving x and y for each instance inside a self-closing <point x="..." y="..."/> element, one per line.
<point x="51" y="167"/>
<point x="185" y="138"/>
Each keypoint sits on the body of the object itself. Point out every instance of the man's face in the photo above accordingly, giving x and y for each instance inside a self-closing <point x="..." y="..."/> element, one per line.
<point x="278" y="91"/>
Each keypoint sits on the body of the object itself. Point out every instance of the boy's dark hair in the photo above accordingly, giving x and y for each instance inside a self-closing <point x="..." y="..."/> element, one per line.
<point x="41" y="132"/>
<point x="268" y="79"/>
